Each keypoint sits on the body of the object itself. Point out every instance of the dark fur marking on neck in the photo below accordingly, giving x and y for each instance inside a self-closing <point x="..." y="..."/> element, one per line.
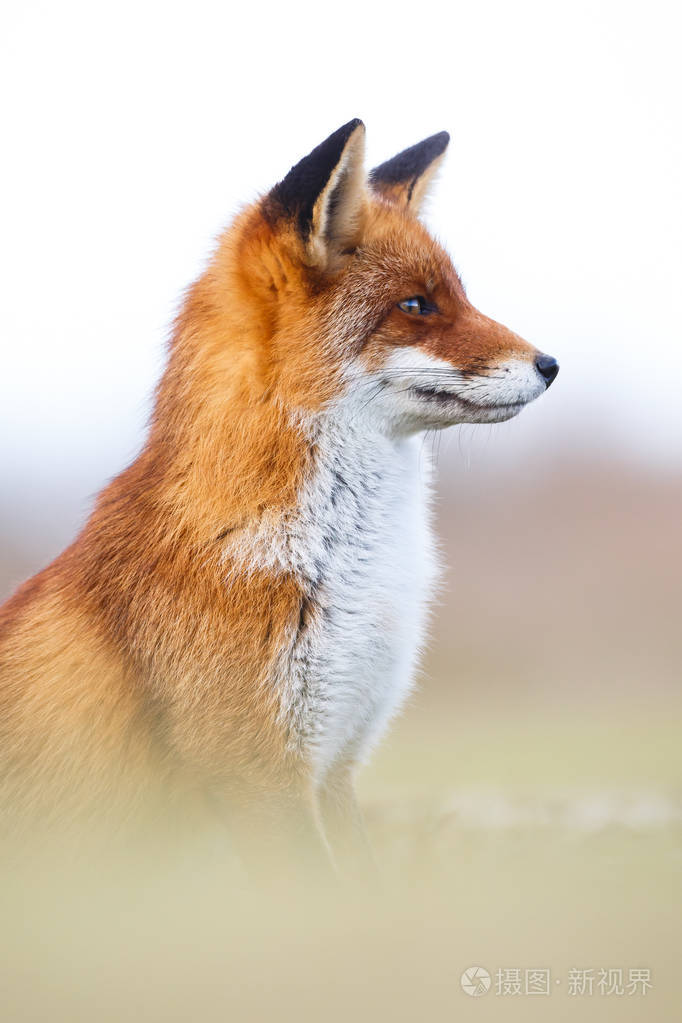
<point x="224" y="533"/>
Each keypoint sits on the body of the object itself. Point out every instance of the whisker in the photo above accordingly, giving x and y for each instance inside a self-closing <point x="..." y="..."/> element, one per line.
<point x="453" y="374"/>
<point x="375" y="394"/>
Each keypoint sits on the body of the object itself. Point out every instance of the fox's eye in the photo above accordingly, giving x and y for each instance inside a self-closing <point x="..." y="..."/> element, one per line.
<point x="416" y="306"/>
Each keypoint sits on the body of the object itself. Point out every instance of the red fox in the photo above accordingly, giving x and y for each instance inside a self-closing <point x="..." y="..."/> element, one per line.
<point x="242" y="613"/>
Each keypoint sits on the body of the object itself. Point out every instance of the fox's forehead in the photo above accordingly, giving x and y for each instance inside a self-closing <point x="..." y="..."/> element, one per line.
<point x="397" y="251"/>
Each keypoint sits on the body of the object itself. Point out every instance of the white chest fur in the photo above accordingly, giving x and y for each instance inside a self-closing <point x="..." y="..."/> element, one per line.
<point x="359" y="542"/>
<point x="363" y="548"/>
<point x="353" y="663"/>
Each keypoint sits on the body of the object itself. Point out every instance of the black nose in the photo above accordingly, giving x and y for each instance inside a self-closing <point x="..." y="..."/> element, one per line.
<point x="547" y="367"/>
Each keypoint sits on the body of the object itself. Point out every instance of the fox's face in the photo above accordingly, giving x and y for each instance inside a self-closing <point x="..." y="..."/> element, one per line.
<point x="357" y="298"/>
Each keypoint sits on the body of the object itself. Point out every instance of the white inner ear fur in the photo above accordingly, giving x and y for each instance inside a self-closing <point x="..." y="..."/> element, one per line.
<point x="415" y="199"/>
<point x="339" y="211"/>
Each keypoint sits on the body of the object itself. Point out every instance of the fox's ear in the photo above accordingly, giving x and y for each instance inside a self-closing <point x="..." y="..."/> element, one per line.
<point x="325" y="196"/>
<point x="406" y="178"/>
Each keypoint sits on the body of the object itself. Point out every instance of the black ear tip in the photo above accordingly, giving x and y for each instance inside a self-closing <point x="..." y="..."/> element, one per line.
<point x="412" y="162"/>
<point x="342" y="134"/>
<point x="435" y="145"/>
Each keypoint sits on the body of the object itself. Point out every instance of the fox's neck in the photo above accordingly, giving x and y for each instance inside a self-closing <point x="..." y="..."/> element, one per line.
<point x="233" y="430"/>
<point x="237" y="469"/>
<point x="354" y="483"/>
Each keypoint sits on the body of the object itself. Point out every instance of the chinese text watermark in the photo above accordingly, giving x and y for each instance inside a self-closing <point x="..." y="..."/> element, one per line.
<point x="580" y="981"/>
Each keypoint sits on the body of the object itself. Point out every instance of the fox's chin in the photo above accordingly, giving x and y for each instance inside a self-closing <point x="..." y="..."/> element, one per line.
<point x="443" y="409"/>
<point x="495" y="414"/>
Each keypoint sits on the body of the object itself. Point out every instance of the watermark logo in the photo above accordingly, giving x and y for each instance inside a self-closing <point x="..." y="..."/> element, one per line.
<point x="590" y="982"/>
<point x="475" y="981"/>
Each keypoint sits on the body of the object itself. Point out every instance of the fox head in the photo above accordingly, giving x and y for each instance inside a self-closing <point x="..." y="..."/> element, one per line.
<point x="330" y="285"/>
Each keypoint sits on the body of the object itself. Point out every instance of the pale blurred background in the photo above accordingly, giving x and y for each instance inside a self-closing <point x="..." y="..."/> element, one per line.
<point x="538" y="769"/>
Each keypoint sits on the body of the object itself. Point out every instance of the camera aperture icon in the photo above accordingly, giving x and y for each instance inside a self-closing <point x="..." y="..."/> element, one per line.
<point x="475" y="981"/>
